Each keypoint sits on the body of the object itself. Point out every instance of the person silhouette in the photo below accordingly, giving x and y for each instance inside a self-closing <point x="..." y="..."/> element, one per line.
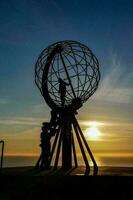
<point x="62" y="91"/>
<point x="53" y="121"/>
<point x="45" y="146"/>
<point x="54" y="117"/>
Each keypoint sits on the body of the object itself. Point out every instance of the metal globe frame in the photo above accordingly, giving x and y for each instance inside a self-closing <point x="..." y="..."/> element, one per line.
<point x="81" y="65"/>
<point x="74" y="63"/>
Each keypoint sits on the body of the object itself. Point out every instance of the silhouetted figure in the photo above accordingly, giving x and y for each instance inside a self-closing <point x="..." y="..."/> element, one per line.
<point x="54" y="118"/>
<point x="62" y="91"/>
<point x="45" y="145"/>
<point x="53" y="121"/>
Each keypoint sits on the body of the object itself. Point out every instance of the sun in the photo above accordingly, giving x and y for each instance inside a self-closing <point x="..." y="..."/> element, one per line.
<point x="93" y="133"/>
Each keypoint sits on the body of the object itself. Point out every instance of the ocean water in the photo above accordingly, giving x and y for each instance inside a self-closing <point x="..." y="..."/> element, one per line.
<point x="18" y="161"/>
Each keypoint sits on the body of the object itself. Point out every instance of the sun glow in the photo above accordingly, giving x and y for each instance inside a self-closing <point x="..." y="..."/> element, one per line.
<point x="93" y="133"/>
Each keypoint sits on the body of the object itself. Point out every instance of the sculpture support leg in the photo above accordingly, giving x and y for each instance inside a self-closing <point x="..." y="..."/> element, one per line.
<point x="81" y="147"/>
<point x="38" y="161"/>
<point x="87" y="147"/>
<point x="54" y="145"/>
<point x="58" y="152"/>
<point x="74" y="152"/>
<point x="64" y="137"/>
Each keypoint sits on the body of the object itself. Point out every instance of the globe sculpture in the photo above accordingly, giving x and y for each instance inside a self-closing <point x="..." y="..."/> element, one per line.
<point x="67" y="75"/>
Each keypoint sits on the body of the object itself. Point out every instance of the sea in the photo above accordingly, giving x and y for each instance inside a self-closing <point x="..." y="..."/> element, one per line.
<point x="19" y="161"/>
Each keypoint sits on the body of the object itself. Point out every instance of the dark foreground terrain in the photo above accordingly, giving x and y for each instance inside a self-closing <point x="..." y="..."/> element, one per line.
<point x="26" y="183"/>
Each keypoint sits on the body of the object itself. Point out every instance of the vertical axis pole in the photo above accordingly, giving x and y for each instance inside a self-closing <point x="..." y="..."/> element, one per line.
<point x="68" y="76"/>
<point x="74" y="152"/>
<point x="67" y="143"/>
<point x="81" y="147"/>
<point x="87" y="147"/>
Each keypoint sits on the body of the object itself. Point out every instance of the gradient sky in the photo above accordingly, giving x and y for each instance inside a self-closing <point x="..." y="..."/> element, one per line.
<point x="29" y="26"/>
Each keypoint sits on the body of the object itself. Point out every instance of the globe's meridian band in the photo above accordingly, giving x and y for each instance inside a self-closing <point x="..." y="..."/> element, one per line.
<point x="44" y="80"/>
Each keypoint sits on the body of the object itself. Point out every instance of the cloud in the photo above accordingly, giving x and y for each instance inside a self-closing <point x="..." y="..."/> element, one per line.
<point x="38" y="108"/>
<point x="86" y="123"/>
<point x="22" y="121"/>
<point x="115" y="85"/>
<point x="4" y="101"/>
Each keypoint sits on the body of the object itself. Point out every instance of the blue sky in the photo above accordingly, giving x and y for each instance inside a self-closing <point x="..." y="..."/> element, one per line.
<point x="29" y="26"/>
